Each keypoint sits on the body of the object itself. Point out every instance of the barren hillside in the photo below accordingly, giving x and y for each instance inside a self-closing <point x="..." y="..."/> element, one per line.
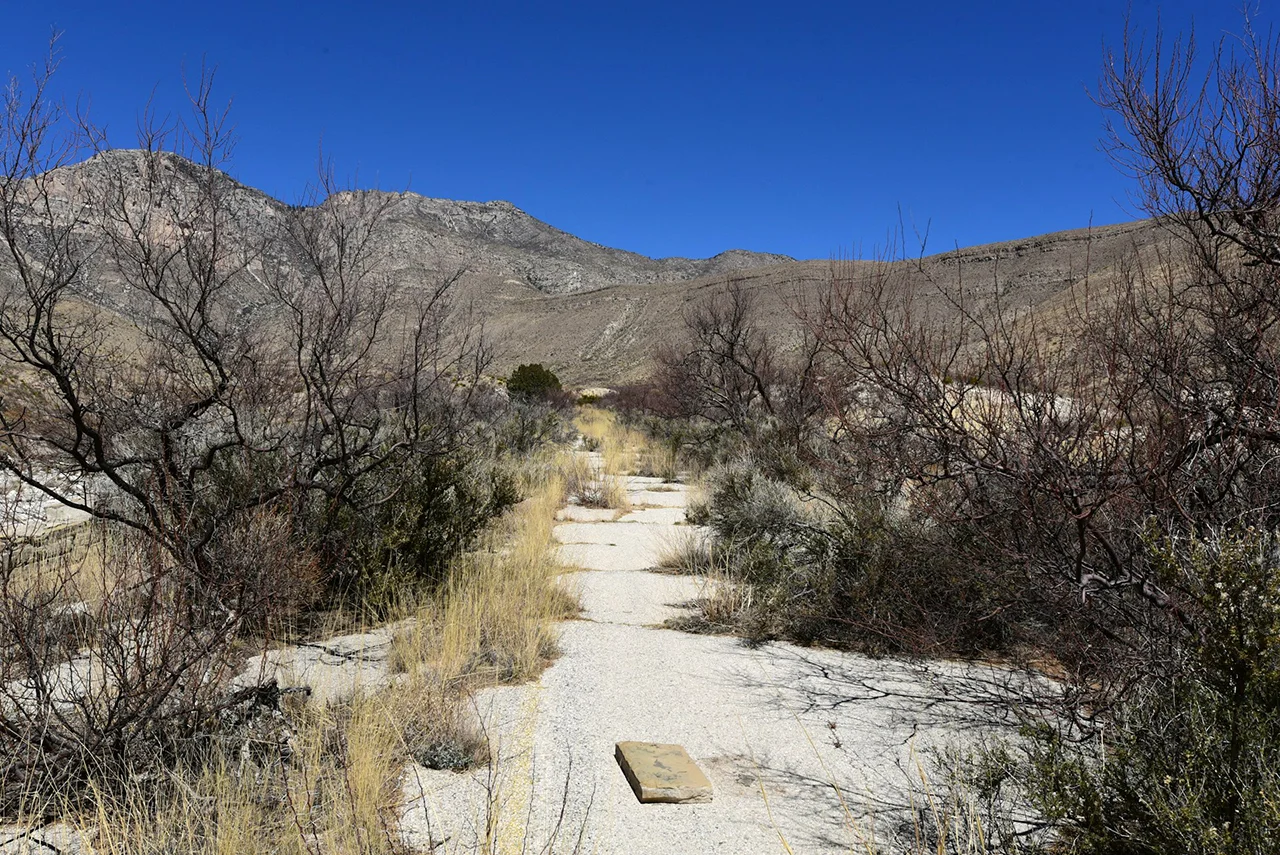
<point x="595" y="314"/>
<point x="608" y="334"/>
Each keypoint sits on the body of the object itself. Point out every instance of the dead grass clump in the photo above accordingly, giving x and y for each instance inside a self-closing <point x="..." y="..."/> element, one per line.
<point x="625" y="450"/>
<point x="615" y="443"/>
<point x="725" y="600"/>
<point x="655" y="460"/>
<point x="336" y="790"/>
<point x="328" y="778"/>
<point x="496" y="613"/>
<point x="688" y="552"/>
<point x="587" y="485"/>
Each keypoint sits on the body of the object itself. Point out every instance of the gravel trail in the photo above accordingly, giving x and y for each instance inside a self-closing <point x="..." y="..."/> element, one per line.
<point x="813" y="747"/>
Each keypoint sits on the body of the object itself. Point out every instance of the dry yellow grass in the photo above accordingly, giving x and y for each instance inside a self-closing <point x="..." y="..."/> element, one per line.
<point x="625" y="450"/>
<point x="494" y="620"/>
<point x="586" y="484"/>
<point x="601" y="484"/>
<point x="338" y="794"/>
<point x="340" y="791"/>
<point x="657" y="460"/>
<point x="724" y="597"/>
<point x="603" y="433"/>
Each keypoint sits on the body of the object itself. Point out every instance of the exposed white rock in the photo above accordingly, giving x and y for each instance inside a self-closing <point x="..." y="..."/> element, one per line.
<point x="833" y="739"/>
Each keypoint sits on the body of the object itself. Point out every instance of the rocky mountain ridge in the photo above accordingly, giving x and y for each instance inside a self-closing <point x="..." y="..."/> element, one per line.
<point x="596" y="314"/>
<point x="427" y="234"/>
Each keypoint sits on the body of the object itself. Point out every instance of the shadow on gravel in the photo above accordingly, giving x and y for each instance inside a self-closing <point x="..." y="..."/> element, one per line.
<point x="873" y="724"/>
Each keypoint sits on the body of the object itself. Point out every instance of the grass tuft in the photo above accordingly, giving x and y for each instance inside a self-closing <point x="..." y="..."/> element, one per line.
<point x="315" y="779"/>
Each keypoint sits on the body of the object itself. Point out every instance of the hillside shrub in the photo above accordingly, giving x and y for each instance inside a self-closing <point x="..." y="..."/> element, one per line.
<point x="406" y="544"/>
<point x="529" y="423"/>
<point x="533" y="381"/>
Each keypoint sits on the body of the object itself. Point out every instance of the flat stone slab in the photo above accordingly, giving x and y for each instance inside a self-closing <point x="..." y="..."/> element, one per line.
<point x="662" y="773"/>
<point x="580" y="513"/>
<point x="655" y="516"/>
<point x="675" y="498"/>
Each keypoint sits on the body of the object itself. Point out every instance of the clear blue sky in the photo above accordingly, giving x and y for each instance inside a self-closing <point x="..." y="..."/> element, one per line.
<point x="667" y="128"/>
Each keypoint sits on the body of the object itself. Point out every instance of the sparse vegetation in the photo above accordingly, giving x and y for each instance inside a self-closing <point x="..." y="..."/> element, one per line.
<point x="335" y="448"/>
<point x="1102" y="509"/>
<point x="591" y="487"/>
<point x="267" y="433"/>
<point x="297" y="777"/>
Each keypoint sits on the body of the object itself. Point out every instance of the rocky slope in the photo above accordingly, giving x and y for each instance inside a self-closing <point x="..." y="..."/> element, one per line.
<point x="490" y="239"/>
<point x="595" y="314"/>
<point x="499" y="239"/>
<point x="609" y="335"/>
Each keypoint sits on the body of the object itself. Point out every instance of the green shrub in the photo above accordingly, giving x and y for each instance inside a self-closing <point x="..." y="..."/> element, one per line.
<point x="852" y="573"/>
<point x="533" y="381"/>
<point x="406" y="543"/>
<point x="1189" y="761"/>
<point x="529" y="423"/>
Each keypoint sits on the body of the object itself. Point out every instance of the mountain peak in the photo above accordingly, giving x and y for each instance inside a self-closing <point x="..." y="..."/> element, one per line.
<point x="494" y="238"/>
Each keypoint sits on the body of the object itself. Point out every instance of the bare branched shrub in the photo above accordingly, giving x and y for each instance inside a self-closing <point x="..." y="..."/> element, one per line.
<point x="1048" y="452"/>
<point x="728" y="381"/>
<point x="1051" y="453"/>
<point x="995" y="477"/>
<point x="225" y="397"/>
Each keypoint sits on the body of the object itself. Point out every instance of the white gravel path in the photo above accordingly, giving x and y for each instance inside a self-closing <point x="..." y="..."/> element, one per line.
<point x="814" y="746"/>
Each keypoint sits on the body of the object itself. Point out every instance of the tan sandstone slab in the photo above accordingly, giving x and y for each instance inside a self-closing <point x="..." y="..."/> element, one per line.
<point x="578" y="513"/>
<point x="662" y="773"/>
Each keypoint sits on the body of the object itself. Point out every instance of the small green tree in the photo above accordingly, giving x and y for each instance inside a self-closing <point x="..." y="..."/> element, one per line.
<point x="533" y="381"/>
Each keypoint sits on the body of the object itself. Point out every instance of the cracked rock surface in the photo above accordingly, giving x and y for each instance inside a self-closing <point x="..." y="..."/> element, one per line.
<point x="332" y="669"/>
<point x="796" y="723"/>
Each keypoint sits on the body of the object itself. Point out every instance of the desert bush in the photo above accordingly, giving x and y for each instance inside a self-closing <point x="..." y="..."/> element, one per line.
<point x="208" y="412"/>
<point x="1187" y="761"/>
<point x="1163" y="412"/>
<point x="261" y="419"/>
<point x="851" y="576"/>
<point x="1147" y="415"/>
<point x="132" y="684"/>
<point x="284" y="775"/>
<point x="406" y="546"/>
<point x="523" y="424"/>
<point x="726" y="386"/>
<point x="688" y="552"/>
<point x="533" y="381"/>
